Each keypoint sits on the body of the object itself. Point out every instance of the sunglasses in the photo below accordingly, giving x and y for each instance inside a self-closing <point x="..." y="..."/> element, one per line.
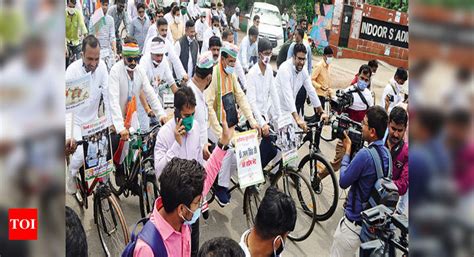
<point x="131" y="59"/>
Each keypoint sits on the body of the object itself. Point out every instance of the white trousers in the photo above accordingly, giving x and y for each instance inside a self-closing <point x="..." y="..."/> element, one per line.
<point x="346" y="239"/>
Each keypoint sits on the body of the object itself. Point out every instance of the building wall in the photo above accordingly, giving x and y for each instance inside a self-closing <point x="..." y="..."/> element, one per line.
<point x="366" y="49"/>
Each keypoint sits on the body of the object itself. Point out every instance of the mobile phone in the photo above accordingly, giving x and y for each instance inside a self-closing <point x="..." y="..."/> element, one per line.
<point x="228" y="102"/>
<point x="177" y="114"/>
<point x="390" y="98"/>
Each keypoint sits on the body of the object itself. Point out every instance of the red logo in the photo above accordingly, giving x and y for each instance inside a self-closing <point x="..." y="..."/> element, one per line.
<point x="22" y="224"/>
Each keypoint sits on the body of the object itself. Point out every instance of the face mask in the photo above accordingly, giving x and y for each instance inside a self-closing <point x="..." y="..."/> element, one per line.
<point x="329" y="60"/>
<point x="188" y="123"/>
<point x="362" y="85"/>
<point x="156" y="63"/>
<point x="70" y="10"/>
<point x="183" y="12"/>
<point x="132" y="67"/>
<point x="195" y="217"/>
<point x="277" y="252"/>
<point x="229" y="69"/>
<point x="266" y="59"/>
<point x="215" y="29"/>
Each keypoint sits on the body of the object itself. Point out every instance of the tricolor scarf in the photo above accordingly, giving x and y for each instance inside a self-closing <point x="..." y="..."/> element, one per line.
<point x="130" y="49"/>
<point x="225" y="85"/>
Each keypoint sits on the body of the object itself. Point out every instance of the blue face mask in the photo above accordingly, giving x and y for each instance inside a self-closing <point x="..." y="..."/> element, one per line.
<point x="362" y="85"/>
<point x="195" y="217"/>
<point x="229" y="69"/>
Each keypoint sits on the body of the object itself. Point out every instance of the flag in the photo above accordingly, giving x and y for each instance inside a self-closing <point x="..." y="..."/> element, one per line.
<point x="131" y="121"/>
<point x="98" y="18"/>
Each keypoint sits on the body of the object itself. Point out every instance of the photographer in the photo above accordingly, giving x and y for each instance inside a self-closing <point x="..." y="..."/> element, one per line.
<point x="359" y="174"/>
<point x="392" y="94"/>
<point x="361" y="100"/>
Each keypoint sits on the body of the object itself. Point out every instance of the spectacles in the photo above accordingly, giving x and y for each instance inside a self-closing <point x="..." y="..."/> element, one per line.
<point x="131" y="59"/>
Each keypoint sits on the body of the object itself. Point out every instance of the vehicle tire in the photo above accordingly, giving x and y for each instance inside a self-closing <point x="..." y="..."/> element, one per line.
<point x="111" y="224"/>
<point x="328" y="192"/>
<point x="299" y="189"/>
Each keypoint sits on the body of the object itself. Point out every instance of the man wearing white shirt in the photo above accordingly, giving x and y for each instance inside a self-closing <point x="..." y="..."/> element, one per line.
<point x="392" y="94"/>
<point x="201" y="26"/>
<point x="234" y="24"/>
<point x="126" y="80"/>
<point x="200" y="82"/>
<point x="153" y="32"/>
<point x="214" y="30"/>
<point x="248" y="48"/>
<point x="89" y="111"/>
<point x="193" y="9"/>
<point x="228" y="37"/>
<point x="263" y="98"/>
<point x="106" y="36"/>
<point x="178" y="68"/>
<point x="169" y="15"/>
<point x="290" y="78"/>
<point x="157" y="70"/>
<point x="187" y="48"/>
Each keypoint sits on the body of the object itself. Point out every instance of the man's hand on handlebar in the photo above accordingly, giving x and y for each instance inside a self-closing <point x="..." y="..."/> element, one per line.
<point x="124" y="135"/>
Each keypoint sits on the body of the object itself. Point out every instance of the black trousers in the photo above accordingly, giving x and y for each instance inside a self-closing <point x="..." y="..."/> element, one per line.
<point x="195" y="239"/>
<point x="267" y="151"/>
<point x="300" y="99"/>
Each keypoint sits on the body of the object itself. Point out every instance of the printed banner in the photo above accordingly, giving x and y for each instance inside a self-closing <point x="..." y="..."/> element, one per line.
<point x="97" y="149"/>
<point x="77" y="91"/>
<point x="249" y="167"/>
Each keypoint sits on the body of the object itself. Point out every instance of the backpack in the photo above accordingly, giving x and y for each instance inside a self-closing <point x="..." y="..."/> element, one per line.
<point x="384" y="191"/>
<point x="150" y="235"/>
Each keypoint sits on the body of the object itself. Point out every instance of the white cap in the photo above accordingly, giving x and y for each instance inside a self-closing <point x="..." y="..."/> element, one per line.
<point x="158" y="48"/>
<point x="237" y="9"/>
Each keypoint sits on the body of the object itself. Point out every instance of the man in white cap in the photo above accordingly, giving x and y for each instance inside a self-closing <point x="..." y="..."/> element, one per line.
<point x="234" y="24"/>
<point x="157" y="70"/>
<point x="224" y="82"/>
<point x="200" y="81"/>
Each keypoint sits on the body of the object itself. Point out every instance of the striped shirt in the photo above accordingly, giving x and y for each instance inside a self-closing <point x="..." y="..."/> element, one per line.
<point x="106" y="34"/>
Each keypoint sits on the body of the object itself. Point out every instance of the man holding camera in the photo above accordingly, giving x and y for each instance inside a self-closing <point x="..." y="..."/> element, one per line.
<point x="359" y="174"/>
<point x="361" y="101"/>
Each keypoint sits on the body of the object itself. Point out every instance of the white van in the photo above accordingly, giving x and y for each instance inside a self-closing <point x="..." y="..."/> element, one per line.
<point x="271" y="26"/>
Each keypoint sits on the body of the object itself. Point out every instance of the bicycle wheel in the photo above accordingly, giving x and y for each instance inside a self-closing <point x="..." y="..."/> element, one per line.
<point x="111" y="224"/>
<point x="327" y="191"/>
<point x="252" y="201"/>
<point x="299" y="189"/>
<point x="148" y="186"/>
<point x="81" y="194"/>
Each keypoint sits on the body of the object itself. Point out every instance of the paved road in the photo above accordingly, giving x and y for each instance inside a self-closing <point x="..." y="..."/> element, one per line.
<point x="230" y="221"/>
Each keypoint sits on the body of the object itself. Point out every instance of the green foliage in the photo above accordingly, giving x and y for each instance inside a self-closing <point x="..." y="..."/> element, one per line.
<point x="399" y="5"/>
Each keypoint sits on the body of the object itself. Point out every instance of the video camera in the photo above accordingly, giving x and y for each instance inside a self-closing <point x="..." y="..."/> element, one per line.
<point x="379" y="230"/>
<point x="354" y="130"/>
<point x="343" y="101"/>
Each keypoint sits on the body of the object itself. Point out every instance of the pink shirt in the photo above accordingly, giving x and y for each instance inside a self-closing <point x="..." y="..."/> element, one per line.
<point x="178" y="244"/>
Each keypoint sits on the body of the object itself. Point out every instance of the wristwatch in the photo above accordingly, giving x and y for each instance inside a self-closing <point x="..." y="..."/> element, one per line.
<point x="223" y="147"/>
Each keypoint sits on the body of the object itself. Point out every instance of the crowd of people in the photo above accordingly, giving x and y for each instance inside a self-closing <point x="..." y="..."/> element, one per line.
<point x="195" y="52"/>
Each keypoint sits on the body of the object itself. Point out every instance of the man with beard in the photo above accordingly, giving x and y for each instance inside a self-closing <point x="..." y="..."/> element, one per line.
<point x="89" y="63"/>
<point x="215" y="45"/>
<point x="292" y="71"/>
<point x="127" y="79"/>
<point x="397" y="125"/>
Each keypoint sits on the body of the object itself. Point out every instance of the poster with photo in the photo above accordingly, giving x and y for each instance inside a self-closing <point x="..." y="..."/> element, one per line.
<point x="97" y="149"/>
<point x="77" y="91"/>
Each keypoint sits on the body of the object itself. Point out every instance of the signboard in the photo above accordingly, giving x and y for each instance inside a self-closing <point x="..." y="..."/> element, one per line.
<point x="249" y="167"/>
<point x="97" y="150"/>
<point x="77" y="91"/>
<point x="384" y="32"/>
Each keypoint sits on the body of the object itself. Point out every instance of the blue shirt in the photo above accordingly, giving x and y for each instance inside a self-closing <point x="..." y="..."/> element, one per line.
<point x="360" y="175"/>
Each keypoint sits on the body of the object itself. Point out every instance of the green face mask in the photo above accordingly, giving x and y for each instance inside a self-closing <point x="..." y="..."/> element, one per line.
<point x="188" y="122"/>
<point x="183" y="11"/>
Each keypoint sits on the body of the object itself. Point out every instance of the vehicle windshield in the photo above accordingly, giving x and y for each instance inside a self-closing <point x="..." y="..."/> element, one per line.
<point x="268" y="16"/>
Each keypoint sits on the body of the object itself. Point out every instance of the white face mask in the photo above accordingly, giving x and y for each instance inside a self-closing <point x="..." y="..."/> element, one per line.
<point x="329" y="59"/>
<point x="130" y="69"/>
<point x="177" y="19"/>
<point x="157" y="64"/>
<point x="266" y="59"/>
<point x="70" y="10"/>
<point x="215" y="29"/>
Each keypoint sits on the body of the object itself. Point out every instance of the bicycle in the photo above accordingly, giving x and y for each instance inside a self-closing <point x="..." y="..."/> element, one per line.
<point x="292" y="183"/>
<point x="165" y="93"/>
<point x="108" y="215"/>
<point x="140" y="178"/>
